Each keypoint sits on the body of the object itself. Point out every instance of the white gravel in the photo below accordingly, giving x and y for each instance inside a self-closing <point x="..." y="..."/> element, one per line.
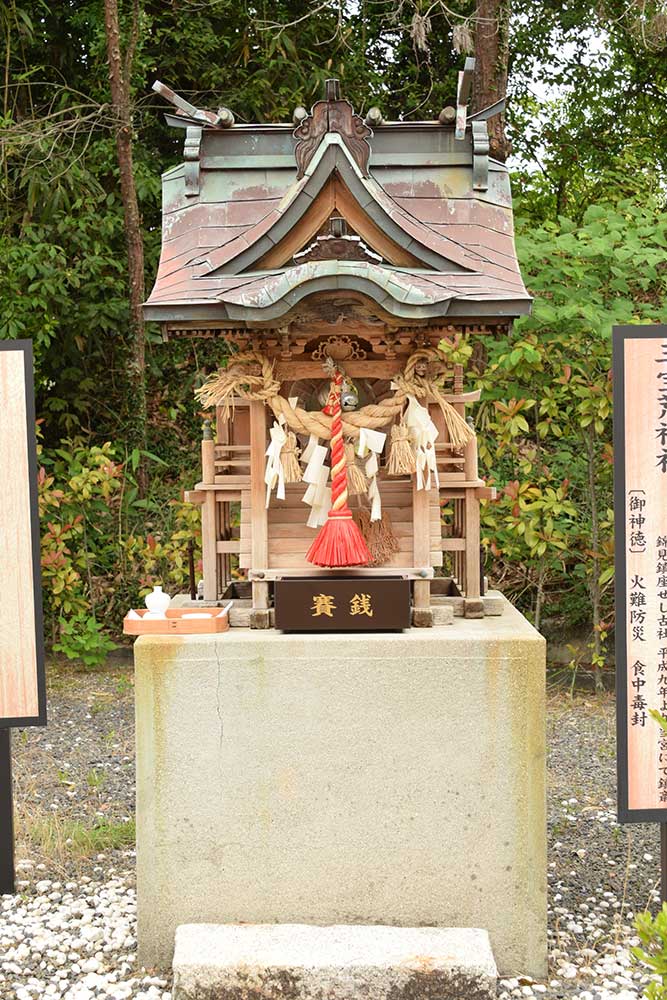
<point x="70" y="931"/>
<point x="72" y="940"/>
<point x="76" y="941"/>
<point x="590" y="936"/>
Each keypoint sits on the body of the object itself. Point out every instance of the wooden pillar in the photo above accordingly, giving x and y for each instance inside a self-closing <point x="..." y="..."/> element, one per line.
<point x="422" y="616"/>
<point x="473" y="606"/>
<point x="458" y="533"/>
<point x="470" y="461"/>
<point x="223" y="434"/>
<point x="258" y="515"/>
<point x="457" y="388"/>
<point x="209" y="529"/>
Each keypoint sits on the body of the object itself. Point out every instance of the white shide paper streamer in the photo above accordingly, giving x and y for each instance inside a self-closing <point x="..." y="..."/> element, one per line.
<point x="369" y="447"/>
<point x="423" y="435"/>
<point x="273" y="474"/>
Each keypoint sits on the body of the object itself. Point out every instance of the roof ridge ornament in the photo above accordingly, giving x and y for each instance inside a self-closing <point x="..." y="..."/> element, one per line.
<point x="188" y="114"/>
<point x="463" y="92"/>
<point x="458" y="116"/>
<point x="332" y="115"/>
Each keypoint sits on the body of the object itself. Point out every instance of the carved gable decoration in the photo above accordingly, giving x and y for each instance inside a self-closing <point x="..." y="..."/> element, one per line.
<point x="332" y="115"/>
<point x="337" y="248"/>
<point x="336" y="242"/>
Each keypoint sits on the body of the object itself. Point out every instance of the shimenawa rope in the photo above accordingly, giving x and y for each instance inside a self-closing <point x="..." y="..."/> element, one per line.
<point x="251" y="375"/>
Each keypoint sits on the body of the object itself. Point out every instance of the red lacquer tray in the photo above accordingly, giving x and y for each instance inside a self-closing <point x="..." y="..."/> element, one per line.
<point x="175" y="623"/>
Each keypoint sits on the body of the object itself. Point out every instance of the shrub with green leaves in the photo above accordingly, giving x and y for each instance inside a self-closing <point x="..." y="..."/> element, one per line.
<point x="545" y="418"/>
<point x="82" y="638"/>
<point x="652" y="953"/>
<point x="104" y="546"/>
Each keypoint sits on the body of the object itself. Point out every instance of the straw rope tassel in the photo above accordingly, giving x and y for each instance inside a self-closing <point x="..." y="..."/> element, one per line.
<point x="339" y="542"/>
<point x="356" y="480"/>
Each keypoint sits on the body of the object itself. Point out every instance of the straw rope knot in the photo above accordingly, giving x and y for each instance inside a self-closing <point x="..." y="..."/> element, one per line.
<point x="251" y="375"/>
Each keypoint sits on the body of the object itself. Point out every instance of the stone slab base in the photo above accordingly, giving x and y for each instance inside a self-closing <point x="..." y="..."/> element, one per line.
<point x="301" y="962"/>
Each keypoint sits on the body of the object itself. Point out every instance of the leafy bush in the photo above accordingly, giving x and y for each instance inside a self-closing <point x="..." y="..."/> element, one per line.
<point x="150" y="559"/>
<point x="652" y="954"/>
<point x="81" y="638"/>
<point x="104" y="547"/>
<point x="545" y="416"/>
<point x="78" y="488"/>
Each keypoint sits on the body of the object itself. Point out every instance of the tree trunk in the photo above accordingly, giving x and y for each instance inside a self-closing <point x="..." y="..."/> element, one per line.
<point x="561" y="196"/>
<point x="594" y="586"/>
<point x="120" y="69"/>
<point x="491" y="62"/>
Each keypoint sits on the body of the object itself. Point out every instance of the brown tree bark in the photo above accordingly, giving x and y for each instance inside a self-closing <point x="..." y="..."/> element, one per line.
<point x="491" y="62"/>
<point x="120" y="72"/>
<point x="594" y="588"/>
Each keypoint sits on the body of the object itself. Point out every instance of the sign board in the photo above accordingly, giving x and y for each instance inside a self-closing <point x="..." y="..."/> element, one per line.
<point x="640" y="461"/>
<point x="337" y="604"/>
<point x="22" y="685"/>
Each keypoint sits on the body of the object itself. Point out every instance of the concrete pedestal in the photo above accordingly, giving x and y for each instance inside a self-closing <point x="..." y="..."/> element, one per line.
<point x="323" y="779"/>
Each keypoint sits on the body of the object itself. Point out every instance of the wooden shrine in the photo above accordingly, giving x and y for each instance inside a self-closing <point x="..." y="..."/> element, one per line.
<point x="332" y="260"/>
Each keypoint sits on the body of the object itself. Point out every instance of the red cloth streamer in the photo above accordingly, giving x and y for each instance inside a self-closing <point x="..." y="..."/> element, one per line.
<point x="339" y="541"/>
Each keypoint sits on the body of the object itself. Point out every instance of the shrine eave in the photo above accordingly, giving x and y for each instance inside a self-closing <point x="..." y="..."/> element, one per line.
<point x="231" y="316"/>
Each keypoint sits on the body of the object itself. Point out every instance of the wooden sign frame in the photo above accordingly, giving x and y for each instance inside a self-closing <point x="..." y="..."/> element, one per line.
<point x="630" y="454"/>
<point x="38" y="717"/>
<point x="342" y="604"/>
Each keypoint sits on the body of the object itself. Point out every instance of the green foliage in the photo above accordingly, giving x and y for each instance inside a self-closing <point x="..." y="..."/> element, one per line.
<point x="81" y="638"/>
<point x="652" y="953"/>
<point x="595" y="127"/>
<point x="545" y="418"/>
<point x="152" y="560"/>
<point x="103" y="547"/>
<point x="78" y="490"/>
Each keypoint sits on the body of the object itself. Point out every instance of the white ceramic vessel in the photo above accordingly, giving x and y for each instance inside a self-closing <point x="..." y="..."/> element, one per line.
<point x="157" y="603"/>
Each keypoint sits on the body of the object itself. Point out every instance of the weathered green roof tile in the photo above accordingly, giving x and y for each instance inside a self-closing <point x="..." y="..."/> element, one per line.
<point x="416" y="189"/>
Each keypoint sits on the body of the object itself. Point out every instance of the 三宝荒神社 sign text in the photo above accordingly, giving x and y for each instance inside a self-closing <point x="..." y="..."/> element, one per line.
<point x="640" y="420"/>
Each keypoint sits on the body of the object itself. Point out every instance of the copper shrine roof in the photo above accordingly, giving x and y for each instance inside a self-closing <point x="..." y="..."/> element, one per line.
<point x="259" y="218"/>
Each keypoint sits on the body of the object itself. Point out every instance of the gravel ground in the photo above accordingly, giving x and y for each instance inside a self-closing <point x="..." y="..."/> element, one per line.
<point x="70" y="930"/>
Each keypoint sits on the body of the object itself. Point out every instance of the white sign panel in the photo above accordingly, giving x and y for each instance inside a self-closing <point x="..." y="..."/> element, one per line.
<point x="22" y="689"/>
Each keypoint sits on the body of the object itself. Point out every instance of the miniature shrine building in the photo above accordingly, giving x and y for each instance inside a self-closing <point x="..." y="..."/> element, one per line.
<point x="360" y="245"/>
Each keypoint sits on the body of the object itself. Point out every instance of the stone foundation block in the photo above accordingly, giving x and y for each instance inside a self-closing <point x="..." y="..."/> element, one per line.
<point x="366" y="778"/>
<point x="300" y="962"/>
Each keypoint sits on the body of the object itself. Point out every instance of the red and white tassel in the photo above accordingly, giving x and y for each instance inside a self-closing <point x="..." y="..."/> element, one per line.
<point x="339" y="541"/>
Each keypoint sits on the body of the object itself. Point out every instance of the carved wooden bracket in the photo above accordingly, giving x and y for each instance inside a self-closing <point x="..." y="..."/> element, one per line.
<point x="480" y="156"/>
<point x="191" y="155"/>
<point x="340" y="348"/>
<point x="332" y="115"/>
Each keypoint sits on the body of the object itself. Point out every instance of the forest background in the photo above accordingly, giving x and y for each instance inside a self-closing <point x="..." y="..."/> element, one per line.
<point x="83" y="147"/>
